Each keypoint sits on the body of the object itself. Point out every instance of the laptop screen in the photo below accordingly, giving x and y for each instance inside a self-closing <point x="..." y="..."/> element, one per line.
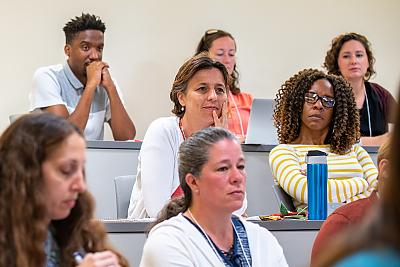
<point x="261" y="129"/>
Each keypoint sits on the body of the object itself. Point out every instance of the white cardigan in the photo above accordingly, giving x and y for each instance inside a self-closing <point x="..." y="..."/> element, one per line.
<point x="157" y="172"/>
<point x="177" y="242"/>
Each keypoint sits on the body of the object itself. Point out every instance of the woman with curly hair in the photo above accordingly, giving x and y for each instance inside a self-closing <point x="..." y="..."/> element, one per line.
<point x="316" y="111"/>
<point x="222" y="47"/>
<point x="351" y="57"/>
<point x="46" y="214"/>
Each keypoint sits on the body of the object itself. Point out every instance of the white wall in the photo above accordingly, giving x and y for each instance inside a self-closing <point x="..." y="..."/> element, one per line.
<point x="147" y="41"/>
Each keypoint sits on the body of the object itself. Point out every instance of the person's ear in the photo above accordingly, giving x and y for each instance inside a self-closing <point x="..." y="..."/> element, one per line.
<point x="191" y="181"/>
<point x="383" y="168"/>
<point x="67" y="50"/>
<point x="181" y="98"/>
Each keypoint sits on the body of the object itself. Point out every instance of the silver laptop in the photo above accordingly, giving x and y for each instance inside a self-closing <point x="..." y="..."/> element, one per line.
<point x="261" y="129"/>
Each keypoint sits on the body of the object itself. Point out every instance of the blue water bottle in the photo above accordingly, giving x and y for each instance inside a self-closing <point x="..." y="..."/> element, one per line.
<point x="317" y="184"/>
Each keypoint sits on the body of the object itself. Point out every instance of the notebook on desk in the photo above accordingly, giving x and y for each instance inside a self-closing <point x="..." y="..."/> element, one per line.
<point x="261" y="129"/>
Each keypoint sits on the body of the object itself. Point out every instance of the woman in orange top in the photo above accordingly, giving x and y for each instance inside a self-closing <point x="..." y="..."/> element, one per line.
<point x="222" y="47"/>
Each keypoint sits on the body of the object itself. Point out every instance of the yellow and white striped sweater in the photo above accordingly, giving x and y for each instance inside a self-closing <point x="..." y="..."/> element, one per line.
<point x="351" y="176"/>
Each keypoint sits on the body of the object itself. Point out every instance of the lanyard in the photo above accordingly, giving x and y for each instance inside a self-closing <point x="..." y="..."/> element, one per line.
<point x="212" y="245"/>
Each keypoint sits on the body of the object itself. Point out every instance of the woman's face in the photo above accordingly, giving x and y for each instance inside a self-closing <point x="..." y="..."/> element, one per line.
<point x="353" y="60"/>
<point x="63" y="176"/>
<point x="222" y="181"/>
<point x="224" y="50"/>
<point x="317" y="117"/>
<point x="205" y="93"/>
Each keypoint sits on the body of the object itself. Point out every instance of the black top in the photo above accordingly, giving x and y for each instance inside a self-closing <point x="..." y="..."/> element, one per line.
<point x="379" y="104"/>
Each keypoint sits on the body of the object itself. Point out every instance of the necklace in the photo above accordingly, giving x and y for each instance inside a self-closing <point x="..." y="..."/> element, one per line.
<point x="214" y="246"/>
<point x="181" y="128"/>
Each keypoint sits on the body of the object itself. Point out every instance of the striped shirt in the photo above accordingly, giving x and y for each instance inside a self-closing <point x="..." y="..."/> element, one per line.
<point x="351" y="176"/>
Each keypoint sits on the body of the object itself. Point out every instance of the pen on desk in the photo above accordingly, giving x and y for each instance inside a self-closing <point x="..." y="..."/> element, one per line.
<point x="78" y="256"/>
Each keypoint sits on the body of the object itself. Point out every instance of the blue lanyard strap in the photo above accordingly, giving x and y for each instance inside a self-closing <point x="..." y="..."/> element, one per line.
<point x="240" y="255"/>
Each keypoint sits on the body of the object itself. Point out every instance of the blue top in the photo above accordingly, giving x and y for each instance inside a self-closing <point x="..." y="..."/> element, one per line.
<point x="371" y="258"/>
<point x="52" y="251"/>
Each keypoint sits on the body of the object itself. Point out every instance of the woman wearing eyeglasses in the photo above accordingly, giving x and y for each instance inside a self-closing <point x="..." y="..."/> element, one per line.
<point x="199" y="229"/>
<point x="351" y="57"/>
<point x="222" y="47"/>
<point x="317" y="111"/>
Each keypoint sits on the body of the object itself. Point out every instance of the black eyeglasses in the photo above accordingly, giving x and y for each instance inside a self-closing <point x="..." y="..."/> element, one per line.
<point x="326" y="101"/>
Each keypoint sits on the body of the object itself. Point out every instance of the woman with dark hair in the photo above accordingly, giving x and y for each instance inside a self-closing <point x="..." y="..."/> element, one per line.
<point x="222" y="47"/>
<point x="46" y="214"/>
<point x="351" y="57"/>
<point x="316" y="111"/>
<point x="199" y="97"/>
<point x="199" y="228"/>
<point x="377" y="241"/>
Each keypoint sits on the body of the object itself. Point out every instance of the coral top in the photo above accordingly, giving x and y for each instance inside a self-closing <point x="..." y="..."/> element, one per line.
<point x="239" y="106"/>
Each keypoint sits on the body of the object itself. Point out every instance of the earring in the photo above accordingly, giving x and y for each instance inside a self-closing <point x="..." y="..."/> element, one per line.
<point x="183" y="108"/>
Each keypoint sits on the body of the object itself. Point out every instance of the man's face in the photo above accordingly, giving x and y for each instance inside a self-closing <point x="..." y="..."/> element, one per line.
<point x="86" y="47"/>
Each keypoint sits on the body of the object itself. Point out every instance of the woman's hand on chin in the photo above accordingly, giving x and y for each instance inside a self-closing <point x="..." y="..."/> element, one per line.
<point x="223" y="120"/>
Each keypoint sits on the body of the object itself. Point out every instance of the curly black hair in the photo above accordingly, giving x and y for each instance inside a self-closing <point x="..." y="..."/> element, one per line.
<point x="82" y="23"/>
<point x="331" y="58"/>
<point x="345" y="127"/>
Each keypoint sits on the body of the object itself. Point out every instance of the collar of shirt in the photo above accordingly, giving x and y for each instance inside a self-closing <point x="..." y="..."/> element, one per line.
<point x="72" y="78"/>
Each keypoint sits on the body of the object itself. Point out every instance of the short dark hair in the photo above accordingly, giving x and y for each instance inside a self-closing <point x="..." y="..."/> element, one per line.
<point x="82" y="23"/>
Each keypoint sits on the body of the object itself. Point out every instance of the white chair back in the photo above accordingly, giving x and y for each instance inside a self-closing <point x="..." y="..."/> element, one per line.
<point x="123" y="189"/>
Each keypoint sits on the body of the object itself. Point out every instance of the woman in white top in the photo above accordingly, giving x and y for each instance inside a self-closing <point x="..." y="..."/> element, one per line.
<point x="222" y="47"/>
<point x="317" y="111"/>
<point x="199" y="97"/>
<point x="199" y="228"/>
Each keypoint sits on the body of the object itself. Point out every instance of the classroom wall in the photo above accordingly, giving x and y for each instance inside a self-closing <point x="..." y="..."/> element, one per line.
<point x="147" y="41"/>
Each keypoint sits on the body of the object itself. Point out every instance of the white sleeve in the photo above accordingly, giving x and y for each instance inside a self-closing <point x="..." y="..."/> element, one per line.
<point x="46" y="90"/>
<point x="158" y="166"/>
<point x="265" y="248"/>
<point x="165" y="250"/>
